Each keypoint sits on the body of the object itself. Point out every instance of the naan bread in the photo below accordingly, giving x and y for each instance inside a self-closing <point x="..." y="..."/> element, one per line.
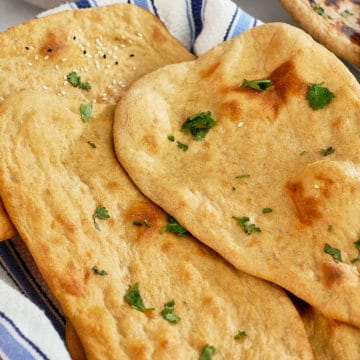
<point x="254" y="159"/>
<point x="45" y="149"/>
<point x="330" y="339"/>
<point x="335" y="23"/>
<point x="108" y="47"/>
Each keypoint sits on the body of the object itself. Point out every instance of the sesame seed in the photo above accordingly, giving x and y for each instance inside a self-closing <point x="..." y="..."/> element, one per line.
<point x="116" y="62"/>
<point x="45" y="87"/>
<point x="46" y="57"/>
<point x="134" y="68"/>
<point x="108" y="66"/>
<point x="30" y="64"/>
<point x="74" y="37"/>
<point x="240" y="123"/>
<point x="27" y="48"/>
<point x="84" y="52"/>
<point x="316" y="186"/>
<point x="110" y="52"/>
<point x="65" y="83"/>
<point x="123" y="85"/>
<point x="104" y="56"/>
<point x="97" y="64"/>
<point x="1" y="98"/>
<point x="56" y="66"/>
<point x="64" y="59"/>
<point x="122" y="45"/>
<point x="114" y="82"/>
<point x="36" y="57"/>
<point x="62" y="92"/>
<point x="130" y="41"/>
<point x="140" y="35"/>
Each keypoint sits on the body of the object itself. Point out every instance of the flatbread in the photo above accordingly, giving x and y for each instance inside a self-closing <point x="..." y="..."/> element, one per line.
<point x="73" y="343"/>
<point x="45" y="148"/>
<point x="265" y="152"/>
<point x="335" y="23"/>
<point x="108" y="47"/>
<point x="330" y="339"/>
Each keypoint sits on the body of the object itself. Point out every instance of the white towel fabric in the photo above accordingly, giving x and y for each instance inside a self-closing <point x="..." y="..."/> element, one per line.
<point x="25" y="330"/>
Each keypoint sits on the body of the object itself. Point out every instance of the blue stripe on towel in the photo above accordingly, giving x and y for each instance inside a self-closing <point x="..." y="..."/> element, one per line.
<point x="242" y="23"/>
<point x="228" y="30"/>
<point x="83" y="4"/>
<point x="154" y="8"/>
<point x="11" y="344"/>
<point x="196" y="8"/>
<point x="16" y="265"/>
<point x="190" y="23"/>
<point x="142" y="3"/>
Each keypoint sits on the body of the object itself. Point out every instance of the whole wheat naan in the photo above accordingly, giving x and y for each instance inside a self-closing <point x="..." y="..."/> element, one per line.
<point x="108" y="47"/>
<point x="266" y="151"/>
<point x="52" y="181"/>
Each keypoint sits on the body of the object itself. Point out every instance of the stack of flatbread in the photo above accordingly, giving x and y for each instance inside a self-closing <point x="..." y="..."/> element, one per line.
<point x="132" y="281"/>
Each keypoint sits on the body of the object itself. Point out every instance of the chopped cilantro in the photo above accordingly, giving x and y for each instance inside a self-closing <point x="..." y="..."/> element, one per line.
<point x="248" y="228"/>
<point x="319" y="96"/>
<point x="259" y="84"/>
<point x="303" y="153"/>
<point x="319" y="10"/>
<point x="86" y="111"/>
<point x="242" y="176"/>
<point x="146" y="223"/>
<point x="335" y="253"/>
<point x="357" y="244"/>
<point x="168" y="312"/>
<point x="171" y="138"/>
<point x="75" y="80"/>
<point x="137" y="223"/>
<point x="240" y="335"/>
<point x="101" y="213"/>
<point x="199" y="124"/>
<point x="346" y="13"/>
<point x="207" y="352"/>
<point x="134" y="299"/>
<point x="267" y="210"/>
<point x="330" y="227"/>
<point x="326" y="152"/>
<point x="355" y="259"/>
<point x="174" y="227"/>
<point x="98" y="272"/>
<point x="93" y="145"/>
<point x="182" y="146"/>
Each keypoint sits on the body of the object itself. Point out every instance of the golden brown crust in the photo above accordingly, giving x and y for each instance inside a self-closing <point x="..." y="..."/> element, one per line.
<point x="335" y="23"/>
<point x="261" y="134"/>
<point x="73" y="343"/>
<point x="104" y="45"/>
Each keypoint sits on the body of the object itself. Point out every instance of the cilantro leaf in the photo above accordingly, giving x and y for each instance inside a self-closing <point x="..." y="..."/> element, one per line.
<point x="330" y="227"/>
<point x="248" y="228"/>
<point x="93" y="145"/>
<point x="98" y="272"/>
<point x="240" y="335"/>
<point x="75" y="80"/>
<point x="267" y="210"/>
<point x="134" y="299"/>
<point x="86" y="111"/>
<point x="319" y="10"/>
<point x="102" y="213"/>
<point x="357" y="244"/>
<point x="146" y="223"/>
<point x="346" y="13"/>
<point x="182" y="146"/>
<point x="319" y="96"/>
<point x="198" y="125"/>
<point x="174" y="227"/>
<point x="335" y="253"/>
<point x="207" y="352"/>
<point x="168" y="312"/>
<point x="137" y="223"/>
<point x="171" y="138"/>
<point x="242" y="176"/>
<point x="259" y="84"/>
<point x="326" y="152"/>
<point x="355" y="259"/>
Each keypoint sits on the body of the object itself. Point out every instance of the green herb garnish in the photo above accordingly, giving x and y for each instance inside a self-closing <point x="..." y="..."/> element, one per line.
<point x="146" y="223"/>
<point x="137" y="223"/>
<point x="248" y="228"/>
<point x="242" y="176"/>
<point x="335" y="253"/>
<point x="346" y="13"/>
<point x="303" y="153"/>
<point x="101" y="213"/>
<point x="93" y="145"/>
<point x="199" y="124"/>
<point x="330" y="227"/>
<point x="75" y="80"/>
<point x="355" y="259"/>
<point x="326" y="152"/>
<point x="267" y="210"/>
<point x="319" y="96"/>
<point x="86" y="111"/>
<point x="182" y="146"/>
<point x="319" y="10"/>
<point x="174" y="227"/>
<point x="98" y="272"/>
<point x="171" y="138"/>
<point x="168" y="312"/>
<point x="134" y="299"/>
<point x="357" y="244"/>
<point x="207" y="352"/>
<point x="240" y="335"/>
<point x="259" y="84"/>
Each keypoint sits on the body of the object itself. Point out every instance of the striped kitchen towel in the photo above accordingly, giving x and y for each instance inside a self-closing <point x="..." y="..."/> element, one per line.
<point x="25" y="331"/>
